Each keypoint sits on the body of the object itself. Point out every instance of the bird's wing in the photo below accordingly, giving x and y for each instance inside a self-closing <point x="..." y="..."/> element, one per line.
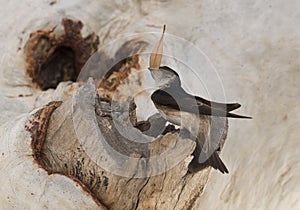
<point x="177" y="98"/>
<point x="228" y="107"/>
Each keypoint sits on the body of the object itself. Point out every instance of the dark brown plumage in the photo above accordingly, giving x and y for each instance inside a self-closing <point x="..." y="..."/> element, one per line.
<point x="191" y="113"/>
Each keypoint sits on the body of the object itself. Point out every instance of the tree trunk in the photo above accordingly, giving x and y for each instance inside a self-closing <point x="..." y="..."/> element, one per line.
<point x="136" y="182"/>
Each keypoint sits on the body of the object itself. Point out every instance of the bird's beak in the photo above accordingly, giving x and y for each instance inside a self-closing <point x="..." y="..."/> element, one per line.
<point x="156" y="55"/>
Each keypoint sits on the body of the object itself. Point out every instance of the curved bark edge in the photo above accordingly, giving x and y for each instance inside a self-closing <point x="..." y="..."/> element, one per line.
<point x="37" y="127"/>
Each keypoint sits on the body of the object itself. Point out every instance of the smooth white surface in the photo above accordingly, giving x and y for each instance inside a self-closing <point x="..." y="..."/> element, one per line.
<point x="24" y="184"/>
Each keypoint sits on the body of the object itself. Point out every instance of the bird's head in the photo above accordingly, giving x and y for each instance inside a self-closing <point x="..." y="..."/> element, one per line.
<point x="165" y="77"/>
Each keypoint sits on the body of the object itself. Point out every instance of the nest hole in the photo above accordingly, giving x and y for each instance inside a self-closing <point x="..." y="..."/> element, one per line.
<point x="60" y="66"/>
<point x="52" y="59"/>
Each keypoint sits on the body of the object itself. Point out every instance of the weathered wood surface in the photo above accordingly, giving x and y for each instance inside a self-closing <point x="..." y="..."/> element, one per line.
<point x="133" y="182"/>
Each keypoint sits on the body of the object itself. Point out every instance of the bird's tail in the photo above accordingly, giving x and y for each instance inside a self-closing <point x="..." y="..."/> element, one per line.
<point x="214" y="161"/>
<point x="237" y="116"/>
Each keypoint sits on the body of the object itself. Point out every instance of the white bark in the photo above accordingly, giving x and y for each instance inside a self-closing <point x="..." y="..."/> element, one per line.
<point x="25" y="184"/>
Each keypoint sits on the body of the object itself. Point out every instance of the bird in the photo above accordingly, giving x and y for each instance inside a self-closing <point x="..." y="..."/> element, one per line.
<point x="190" y="112"/>
<point x="170" y="93"/>
<point x="193" y="114"/>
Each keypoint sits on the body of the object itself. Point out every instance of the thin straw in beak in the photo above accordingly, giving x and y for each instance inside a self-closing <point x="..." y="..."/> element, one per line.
<point x="156" y="55"/>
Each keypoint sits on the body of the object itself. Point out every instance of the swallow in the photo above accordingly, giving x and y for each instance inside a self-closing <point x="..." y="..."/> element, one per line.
<point x="172" y="96"/>
<point x="192" y="113"/>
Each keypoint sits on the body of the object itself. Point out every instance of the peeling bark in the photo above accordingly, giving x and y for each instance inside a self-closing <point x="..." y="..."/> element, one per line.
<point x="37" y="126"/>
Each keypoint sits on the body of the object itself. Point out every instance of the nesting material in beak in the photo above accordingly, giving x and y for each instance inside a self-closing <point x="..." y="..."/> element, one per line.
<point x="156" y="55"/>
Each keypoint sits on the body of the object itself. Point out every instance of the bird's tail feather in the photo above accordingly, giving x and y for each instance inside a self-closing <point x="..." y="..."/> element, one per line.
<point x="227" y="107"/>
<point x="237" y="116"/>
<point x="233" y="106"/>
<point x="216" y="162"/>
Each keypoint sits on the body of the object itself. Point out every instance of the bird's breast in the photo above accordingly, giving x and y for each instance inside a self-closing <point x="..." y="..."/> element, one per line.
<point x="177" y="117"/>
<point x="171" y="115"/>
<point x="194" y="123"/>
